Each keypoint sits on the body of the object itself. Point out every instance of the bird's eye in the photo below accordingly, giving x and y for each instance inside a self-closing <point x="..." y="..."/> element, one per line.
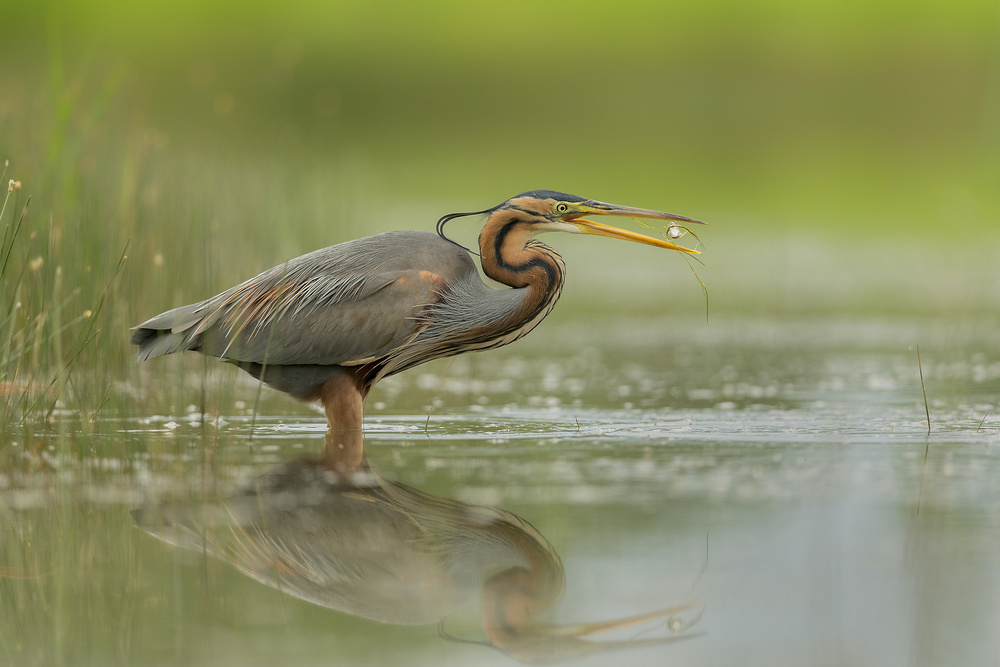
<point x="562" y="208"/>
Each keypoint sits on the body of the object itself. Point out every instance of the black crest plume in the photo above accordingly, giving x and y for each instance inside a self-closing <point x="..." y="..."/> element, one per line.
<point x="451" y="216"/>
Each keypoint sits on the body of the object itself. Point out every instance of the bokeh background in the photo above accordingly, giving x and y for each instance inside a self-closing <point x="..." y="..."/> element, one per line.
<point x="847" y="155"/>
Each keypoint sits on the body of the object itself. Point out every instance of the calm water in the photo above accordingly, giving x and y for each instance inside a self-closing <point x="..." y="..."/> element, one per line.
<point x="769" y="486"/>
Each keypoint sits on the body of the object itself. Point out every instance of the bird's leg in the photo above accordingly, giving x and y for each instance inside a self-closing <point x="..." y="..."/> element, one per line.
<point x="344" y="452"/>
<point x="343" y="402"/>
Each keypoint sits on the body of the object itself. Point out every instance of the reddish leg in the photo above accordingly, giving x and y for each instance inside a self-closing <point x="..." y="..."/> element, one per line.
<point x="343" y="402"/>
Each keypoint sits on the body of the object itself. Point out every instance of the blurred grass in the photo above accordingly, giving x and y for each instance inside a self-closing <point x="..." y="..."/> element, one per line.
<point x="215" y="141"/>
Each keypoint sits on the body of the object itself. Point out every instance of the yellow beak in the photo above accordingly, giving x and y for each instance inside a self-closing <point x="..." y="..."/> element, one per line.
<point x="600" y="229"/>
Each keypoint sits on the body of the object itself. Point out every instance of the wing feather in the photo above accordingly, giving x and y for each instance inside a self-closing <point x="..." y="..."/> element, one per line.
<point x="345" y="305"/>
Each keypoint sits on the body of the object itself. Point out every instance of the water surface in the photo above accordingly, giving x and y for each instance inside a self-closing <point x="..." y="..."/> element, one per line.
<point x="776" y="477"/>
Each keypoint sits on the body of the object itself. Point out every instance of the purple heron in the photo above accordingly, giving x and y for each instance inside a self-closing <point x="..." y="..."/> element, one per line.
<point x="330" y="324"/>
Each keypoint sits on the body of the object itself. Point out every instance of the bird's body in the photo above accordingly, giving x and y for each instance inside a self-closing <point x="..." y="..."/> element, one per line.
<point x="350" y="307"/>
<point x="329" y="324"/>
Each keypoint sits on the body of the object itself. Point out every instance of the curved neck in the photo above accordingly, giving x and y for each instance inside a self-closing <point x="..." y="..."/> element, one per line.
<point x="511" y="256"/>
<point x="475" y="316"/>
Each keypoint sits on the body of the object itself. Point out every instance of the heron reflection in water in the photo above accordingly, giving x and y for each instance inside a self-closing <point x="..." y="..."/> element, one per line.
<point x="328" y="325"/>
<point x="351" y="540"/>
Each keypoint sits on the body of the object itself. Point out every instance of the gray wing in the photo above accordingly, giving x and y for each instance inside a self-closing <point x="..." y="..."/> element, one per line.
<point x="343" y="305"/>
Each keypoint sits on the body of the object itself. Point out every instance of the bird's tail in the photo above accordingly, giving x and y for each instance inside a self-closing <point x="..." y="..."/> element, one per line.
<point x="169" y="332"/>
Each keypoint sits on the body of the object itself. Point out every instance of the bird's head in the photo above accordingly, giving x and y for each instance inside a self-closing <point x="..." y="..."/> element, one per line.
<point x="559" y="212"/>
<point x="541" y="211"/>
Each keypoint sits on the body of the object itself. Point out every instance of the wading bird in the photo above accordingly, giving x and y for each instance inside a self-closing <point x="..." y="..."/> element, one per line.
<point x="330" y="324"/>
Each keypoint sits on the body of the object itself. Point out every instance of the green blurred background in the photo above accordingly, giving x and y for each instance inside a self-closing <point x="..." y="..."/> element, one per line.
<point x="846" y="154"/>
<point x="782" y="112"/>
